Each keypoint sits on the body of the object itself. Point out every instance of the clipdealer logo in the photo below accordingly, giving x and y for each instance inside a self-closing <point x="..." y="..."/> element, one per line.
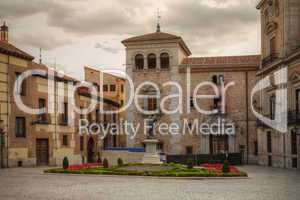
<point x="279" y="122"/>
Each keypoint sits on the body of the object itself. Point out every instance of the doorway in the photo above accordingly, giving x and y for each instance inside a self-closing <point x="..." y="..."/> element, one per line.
<point x="42" y="152"/>
<point x="90" y="148"/>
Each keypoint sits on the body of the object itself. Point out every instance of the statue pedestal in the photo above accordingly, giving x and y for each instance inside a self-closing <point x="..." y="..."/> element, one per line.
<point x="151" y="156"/>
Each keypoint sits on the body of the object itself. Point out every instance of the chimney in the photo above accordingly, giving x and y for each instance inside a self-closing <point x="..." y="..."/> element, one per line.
<point x="4" y="33"/>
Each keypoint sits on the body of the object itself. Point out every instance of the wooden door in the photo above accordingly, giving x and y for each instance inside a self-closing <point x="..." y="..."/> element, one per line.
<point x="42" y="152"/>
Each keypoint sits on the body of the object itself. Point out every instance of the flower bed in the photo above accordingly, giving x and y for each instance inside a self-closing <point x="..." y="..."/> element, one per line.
<point x="163" y="170"/>
<point x="218" y="168"/>
<point x="84" y="166"/>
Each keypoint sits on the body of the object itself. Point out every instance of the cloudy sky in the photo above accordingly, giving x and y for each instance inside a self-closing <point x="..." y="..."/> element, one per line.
<point x="78" y="33"/>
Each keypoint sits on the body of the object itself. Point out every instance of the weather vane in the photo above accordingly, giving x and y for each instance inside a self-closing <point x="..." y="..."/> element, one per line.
<point x="158" y="21"/>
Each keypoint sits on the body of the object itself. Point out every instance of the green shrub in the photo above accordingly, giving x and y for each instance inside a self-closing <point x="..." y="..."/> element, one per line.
<point x="65" y="163"/>
<point x="190" y="163"/>
<point x="226" y="167"/>
<point x="105" y="163"/>
<point x="120" y="162"/>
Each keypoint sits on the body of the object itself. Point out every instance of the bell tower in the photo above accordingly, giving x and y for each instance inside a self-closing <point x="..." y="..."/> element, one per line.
<point x="4" y="33"/>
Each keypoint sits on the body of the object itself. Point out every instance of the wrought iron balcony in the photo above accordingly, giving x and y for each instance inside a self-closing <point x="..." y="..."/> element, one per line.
<point x="270" y="59"/>
<point x="44" y="118"/>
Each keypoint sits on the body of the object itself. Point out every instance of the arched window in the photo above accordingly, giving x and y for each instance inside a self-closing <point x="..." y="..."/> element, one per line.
<point x="139" y="62"/>
<point x="151" y="61"/>
<point x="164" y="60"/>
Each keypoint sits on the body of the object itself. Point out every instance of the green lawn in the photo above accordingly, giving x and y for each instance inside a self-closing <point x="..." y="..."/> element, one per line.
<point x="164" y="170"/>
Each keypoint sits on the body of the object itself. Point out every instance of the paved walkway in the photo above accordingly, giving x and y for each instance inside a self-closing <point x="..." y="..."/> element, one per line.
<point x="264" y="184"/>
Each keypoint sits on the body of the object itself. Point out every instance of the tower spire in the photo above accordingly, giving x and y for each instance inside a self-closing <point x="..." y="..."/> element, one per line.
<point x="158" y="21"/>
<point x="4" y="32"/>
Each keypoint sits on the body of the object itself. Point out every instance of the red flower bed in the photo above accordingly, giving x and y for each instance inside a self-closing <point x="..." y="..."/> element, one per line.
<point x="219" y="167"/>
<point x="84" y="166"/>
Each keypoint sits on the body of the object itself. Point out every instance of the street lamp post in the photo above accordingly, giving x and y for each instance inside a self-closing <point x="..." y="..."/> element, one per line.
<point x="2" y="132"/>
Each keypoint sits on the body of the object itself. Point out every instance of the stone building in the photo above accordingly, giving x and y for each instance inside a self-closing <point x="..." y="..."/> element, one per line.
<point x="161" y="57"/>
<point x="113" y="88"/>
<point x="280" y="47"/>
<point x="44" y="138"/>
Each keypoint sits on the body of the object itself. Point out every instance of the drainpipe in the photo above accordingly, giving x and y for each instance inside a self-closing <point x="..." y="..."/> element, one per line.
<point x="284" y="151"/>
<point x="7" y="125"/>
<point x="247" y="116"/>
<point x="1" y="142"/>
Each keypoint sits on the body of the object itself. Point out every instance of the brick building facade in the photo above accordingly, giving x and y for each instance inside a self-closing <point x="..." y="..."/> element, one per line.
<point x="161" y="57"/>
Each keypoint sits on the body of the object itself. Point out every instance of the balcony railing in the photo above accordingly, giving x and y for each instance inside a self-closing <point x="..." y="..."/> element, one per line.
<point x="42" y="119"/>
<point x="270" y="59"/>
<point x="294" y="117"/>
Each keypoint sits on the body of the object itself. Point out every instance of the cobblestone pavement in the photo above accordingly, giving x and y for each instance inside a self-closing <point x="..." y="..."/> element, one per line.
<point x="264" y="184"/>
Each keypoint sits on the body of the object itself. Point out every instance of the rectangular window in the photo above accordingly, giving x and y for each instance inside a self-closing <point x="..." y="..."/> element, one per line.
<point x="122" y="88"/>
<point x="269" y="142"/>
<point x="272" y="106"/>
<point x="20" y="127"/>
<point x="42" y="104"/>
<point x="192" y="102"/>
<point x="273" y="46"/>
<point x="22" y="89"/>
<point x="81" y="143"/>
<point x="65" y="140"/>
<point x="115" y="141"/>
<point x="65" y="113"/>
<point x="152" y="104"/>
<point x="112" y="88"/>
<point x="105" y="88"/>
<point x="97" y="115"/>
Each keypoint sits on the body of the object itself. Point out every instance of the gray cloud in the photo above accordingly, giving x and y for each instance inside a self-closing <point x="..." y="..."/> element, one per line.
<point x="45" y="39"/>
<point x="106" y="47"/>
<point x="209" y="27"/>
<point x="11" y="9"/>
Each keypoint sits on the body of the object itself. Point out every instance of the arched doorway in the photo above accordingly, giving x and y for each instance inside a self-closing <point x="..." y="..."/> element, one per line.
<point x="90" y="149"/>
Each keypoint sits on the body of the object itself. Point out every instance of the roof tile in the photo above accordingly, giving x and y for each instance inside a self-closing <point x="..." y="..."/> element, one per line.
<point x="11" y="50"/>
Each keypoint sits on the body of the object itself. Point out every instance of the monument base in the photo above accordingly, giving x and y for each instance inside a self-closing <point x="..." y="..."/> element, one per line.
<point x="151" y="159"/>
<point x="151" y="156"/>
